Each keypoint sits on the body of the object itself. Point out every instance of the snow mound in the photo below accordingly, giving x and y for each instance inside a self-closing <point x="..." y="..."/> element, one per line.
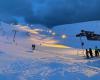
<point x="72" y="29"/>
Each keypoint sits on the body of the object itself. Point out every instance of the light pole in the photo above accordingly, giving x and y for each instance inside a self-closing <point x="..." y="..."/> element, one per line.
<point x="82" y="45"/>
<point x="15" y="32"/>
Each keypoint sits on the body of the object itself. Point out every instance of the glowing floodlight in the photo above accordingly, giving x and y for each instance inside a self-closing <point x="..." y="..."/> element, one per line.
<point x="64" y="36"/>
<point x="53" y="33"/>
<point x="50" y="31"/>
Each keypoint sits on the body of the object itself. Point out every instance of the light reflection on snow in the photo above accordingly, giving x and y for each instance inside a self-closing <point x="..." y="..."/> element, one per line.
<point x="19" y="62"/>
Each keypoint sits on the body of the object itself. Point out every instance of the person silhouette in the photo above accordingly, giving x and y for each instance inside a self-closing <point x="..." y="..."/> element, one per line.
<point x="87" y="54"/>
<point x="33" y="46"/>
<point x="91" y="53"/>
<point x="96" y="52"/>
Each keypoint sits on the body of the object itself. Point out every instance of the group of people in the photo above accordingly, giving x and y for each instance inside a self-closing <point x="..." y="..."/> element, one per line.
<point x="90" y="54"/>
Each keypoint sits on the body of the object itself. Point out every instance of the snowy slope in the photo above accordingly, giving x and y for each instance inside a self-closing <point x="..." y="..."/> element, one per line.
<point x="8" y="30"/>
<point x="19" y="62"/>
<point x="72" y="29"/>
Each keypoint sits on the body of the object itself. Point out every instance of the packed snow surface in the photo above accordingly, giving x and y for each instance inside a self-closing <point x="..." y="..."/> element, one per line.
<point x="50" y="60"/>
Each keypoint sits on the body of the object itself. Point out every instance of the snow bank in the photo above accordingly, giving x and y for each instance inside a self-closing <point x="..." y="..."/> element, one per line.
<point x="72" y="29"/>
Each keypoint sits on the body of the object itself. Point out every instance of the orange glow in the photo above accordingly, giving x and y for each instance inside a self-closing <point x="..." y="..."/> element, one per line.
<point x="55" y="45"/>
<point x="25" y="28"/>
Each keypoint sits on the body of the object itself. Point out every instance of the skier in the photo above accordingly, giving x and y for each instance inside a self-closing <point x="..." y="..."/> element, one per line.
<point x="91" y="53"/>
<point x="96" y="52"/>
<point x="87" y="54"/>
<point x="33" y="46"/>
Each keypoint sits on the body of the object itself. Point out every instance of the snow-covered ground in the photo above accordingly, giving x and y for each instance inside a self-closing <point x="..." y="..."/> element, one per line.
<point x="70" y="30"/>
<point x="50" y="60"/>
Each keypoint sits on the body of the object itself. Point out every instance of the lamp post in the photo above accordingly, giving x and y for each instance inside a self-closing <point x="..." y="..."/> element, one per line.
<point x="80" y="35"/>
<point x="82" y="45"/>
<point x="15" y="32"/>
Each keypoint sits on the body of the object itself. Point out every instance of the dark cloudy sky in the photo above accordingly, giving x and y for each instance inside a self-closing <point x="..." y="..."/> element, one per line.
<point x="51" y="12"/>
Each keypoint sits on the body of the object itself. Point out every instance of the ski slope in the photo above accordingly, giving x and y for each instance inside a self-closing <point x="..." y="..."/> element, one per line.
<point x="50" y="60"/>
<point x="72" y="29"/>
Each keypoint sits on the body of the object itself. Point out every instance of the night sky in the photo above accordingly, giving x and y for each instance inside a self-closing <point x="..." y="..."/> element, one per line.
<point x="51" y="12"/>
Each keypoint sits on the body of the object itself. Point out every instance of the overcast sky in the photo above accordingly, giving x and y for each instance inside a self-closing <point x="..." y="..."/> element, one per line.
<point x="52" y="12"/>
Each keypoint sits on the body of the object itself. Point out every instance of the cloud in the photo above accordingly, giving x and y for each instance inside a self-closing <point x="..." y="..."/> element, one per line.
<point x="52" y="12"/>
<point x="18" y="8"/>
<point x="15" y="7"/>
<point x="57" y="12"/>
